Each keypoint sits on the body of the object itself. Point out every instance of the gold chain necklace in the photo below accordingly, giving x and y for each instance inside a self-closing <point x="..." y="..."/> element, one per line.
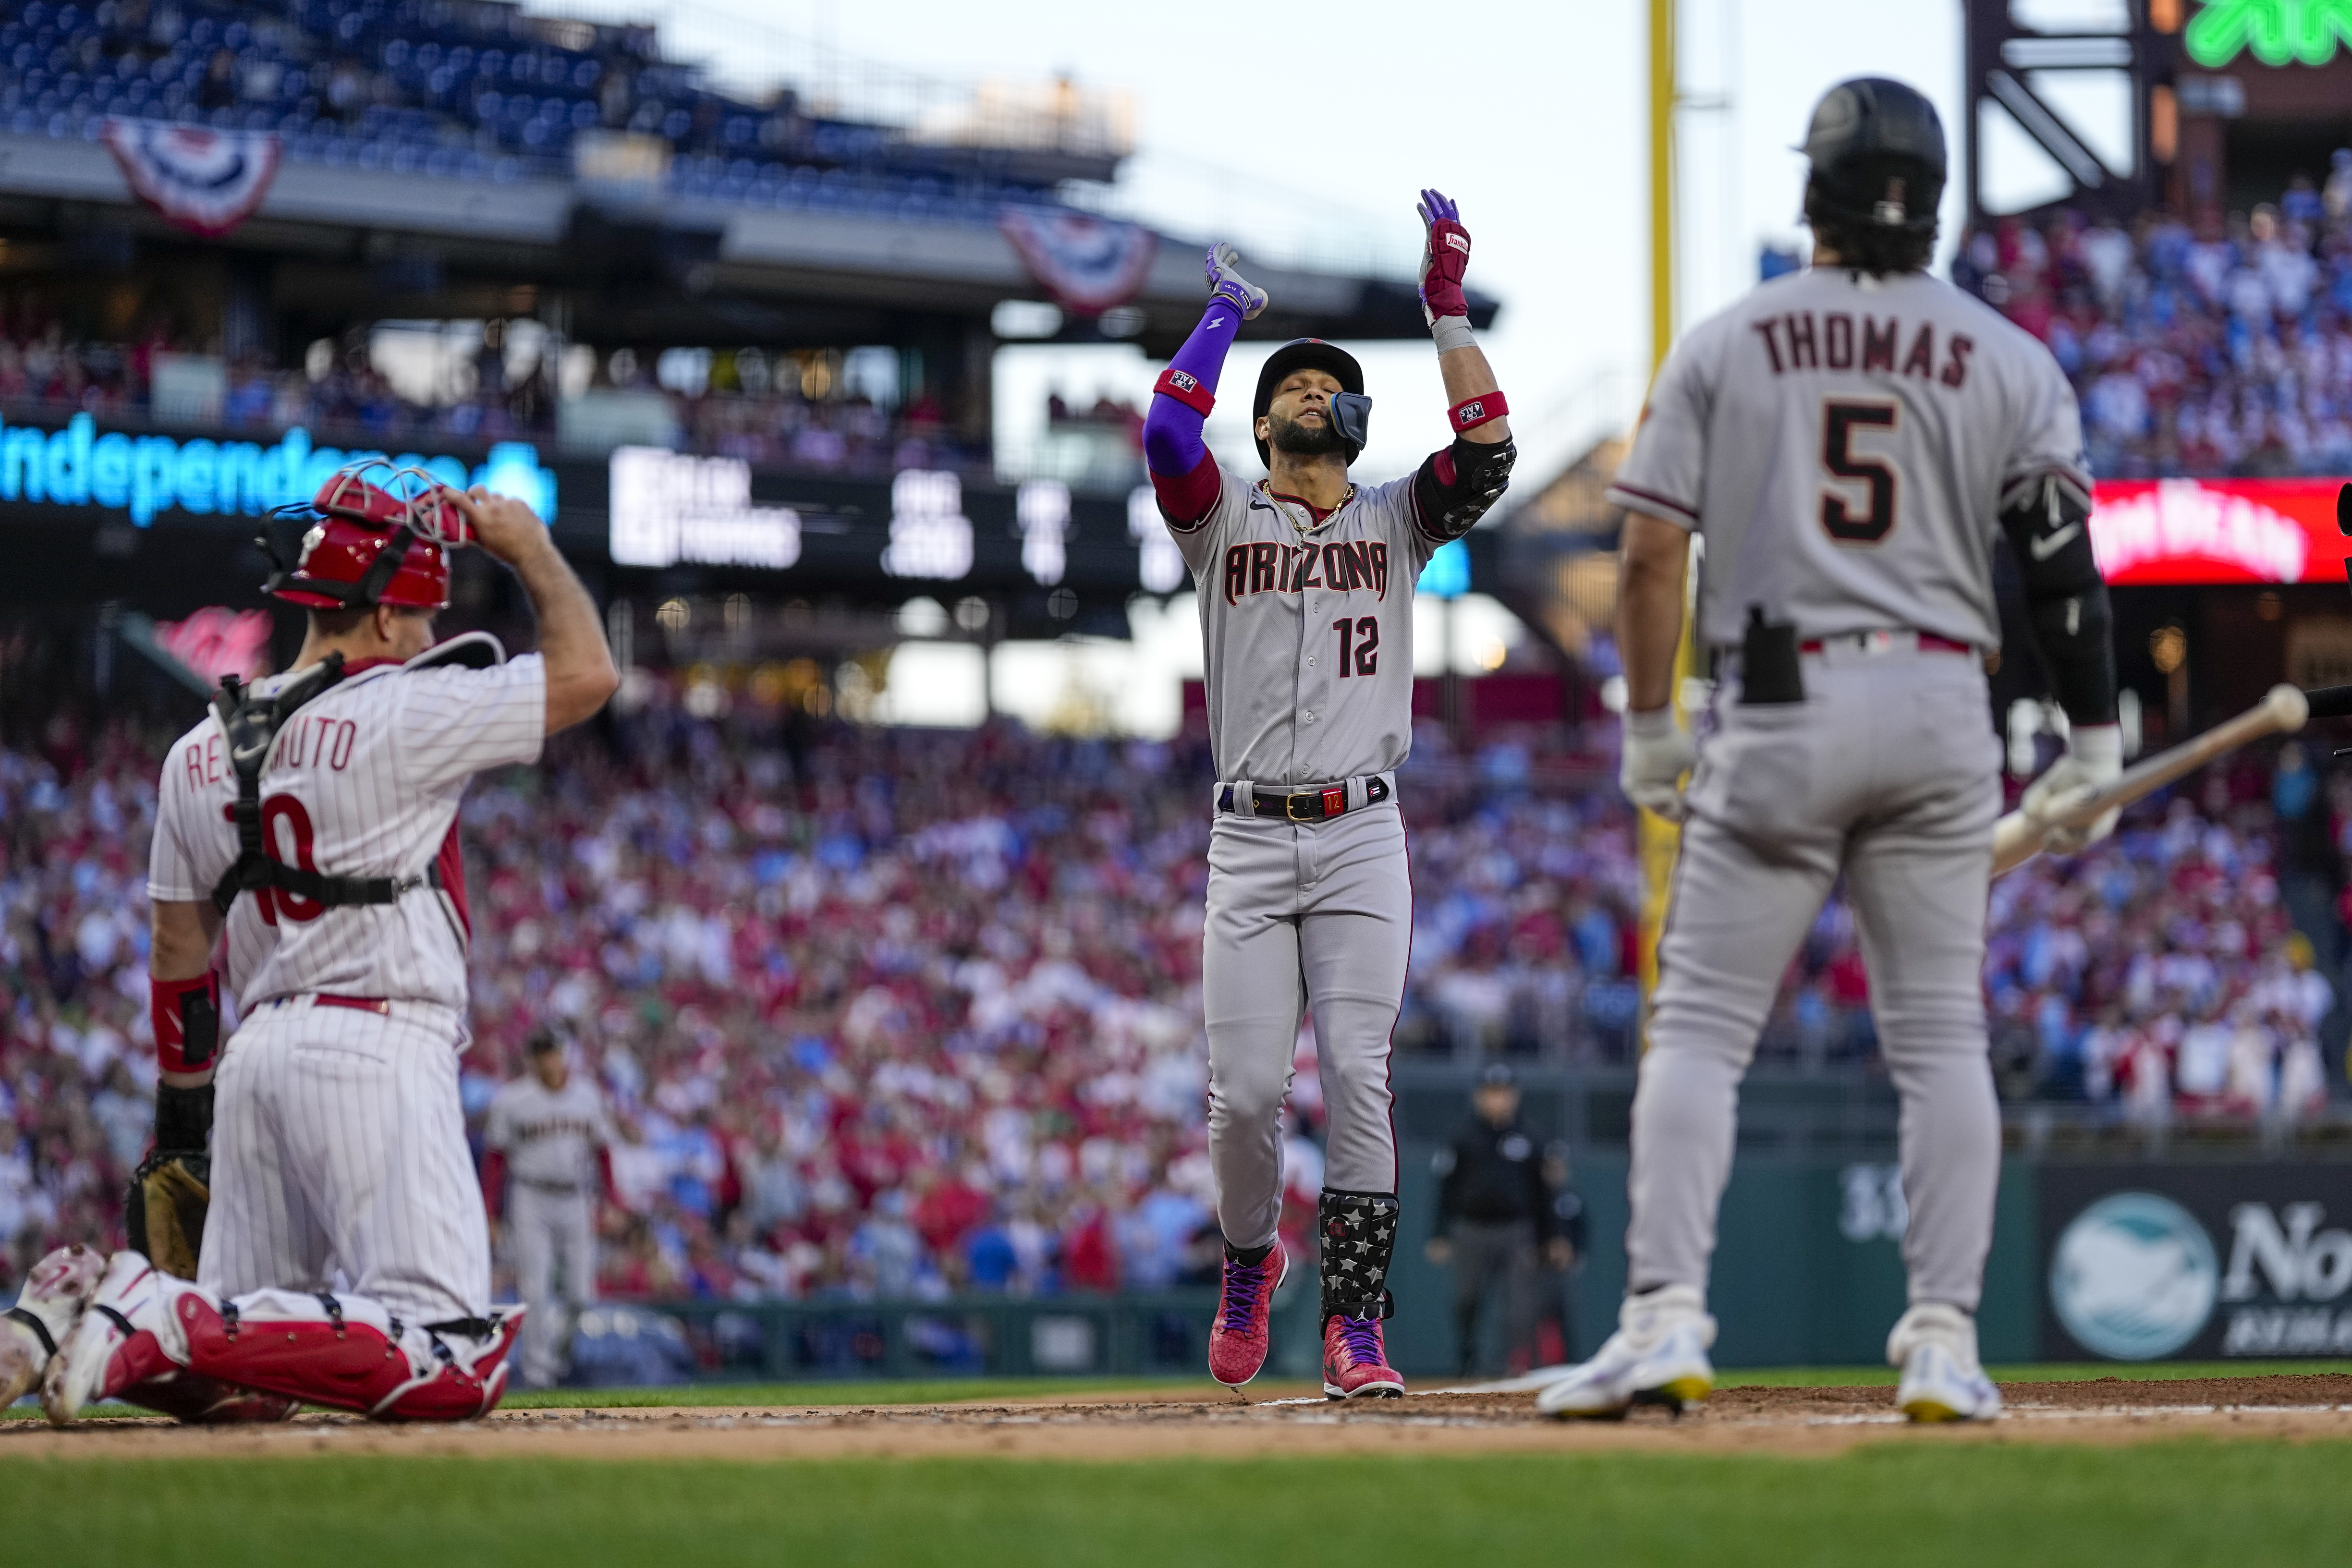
<point x="1303" y="521"/>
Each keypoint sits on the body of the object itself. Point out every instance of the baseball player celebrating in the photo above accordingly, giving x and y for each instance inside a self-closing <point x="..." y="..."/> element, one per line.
<point x="317" y="812"/>
<point x="546" y="1139"/>
<point x="1846" y="439"/>
<point x="1305" y="587"/>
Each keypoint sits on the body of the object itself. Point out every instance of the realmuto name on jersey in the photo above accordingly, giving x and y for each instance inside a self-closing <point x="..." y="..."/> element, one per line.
<point x="1350" y="566"/>
<point x="1838" y="340"/>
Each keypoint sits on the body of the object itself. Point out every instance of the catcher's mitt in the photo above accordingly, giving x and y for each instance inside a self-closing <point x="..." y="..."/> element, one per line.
<point x="163" y="1213"/>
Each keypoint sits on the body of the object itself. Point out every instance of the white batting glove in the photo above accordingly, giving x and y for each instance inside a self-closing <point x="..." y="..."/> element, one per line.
<point x="2094" y="757"/>
<point x="1658" y="752"/>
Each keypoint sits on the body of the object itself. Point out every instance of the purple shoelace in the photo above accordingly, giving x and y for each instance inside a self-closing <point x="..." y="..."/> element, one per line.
<point x="1362" y="1338"/>
<point x="1244" y="1284"/>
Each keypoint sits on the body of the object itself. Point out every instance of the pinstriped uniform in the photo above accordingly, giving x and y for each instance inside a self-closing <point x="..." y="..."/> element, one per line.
<point x="1306" y="628"/>
<point x="338" y="1141"/>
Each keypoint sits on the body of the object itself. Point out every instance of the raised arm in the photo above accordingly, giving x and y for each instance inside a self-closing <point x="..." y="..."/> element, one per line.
<point x="580" y="673"/>
<point x="1456" y="486"/>
<point x="1184" y="475"/>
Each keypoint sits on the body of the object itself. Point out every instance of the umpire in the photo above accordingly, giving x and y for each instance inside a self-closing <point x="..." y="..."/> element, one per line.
<point x="1502" y="1217"/>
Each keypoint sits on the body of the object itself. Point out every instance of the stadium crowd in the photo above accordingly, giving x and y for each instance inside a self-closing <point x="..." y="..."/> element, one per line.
<point x="2223" y="349"/>
<point x="740" y="404"/>
<point x="904" y="1012"/>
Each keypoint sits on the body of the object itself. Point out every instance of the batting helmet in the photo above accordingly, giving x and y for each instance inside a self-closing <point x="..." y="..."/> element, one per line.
<point x="1314" y="353"/>
<point x="1877" y="151"/>
<point x="369" y="542"/>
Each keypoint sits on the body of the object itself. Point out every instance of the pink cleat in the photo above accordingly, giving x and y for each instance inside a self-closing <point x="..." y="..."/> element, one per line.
<point x="1239" y="1338"/>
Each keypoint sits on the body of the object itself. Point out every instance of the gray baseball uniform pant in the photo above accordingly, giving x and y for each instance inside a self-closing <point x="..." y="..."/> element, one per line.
<point x="1302" y="914"/>
<point x="554" y="1238"/>
<point x="1889" y="774"/>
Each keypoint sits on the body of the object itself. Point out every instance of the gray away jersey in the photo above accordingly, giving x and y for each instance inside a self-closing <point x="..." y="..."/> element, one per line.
<point x="1308" y="632"/>
<point x="1845" y="444"/>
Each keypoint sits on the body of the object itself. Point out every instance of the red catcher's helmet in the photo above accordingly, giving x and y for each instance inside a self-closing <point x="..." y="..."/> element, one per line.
<point x="370" y="543"/>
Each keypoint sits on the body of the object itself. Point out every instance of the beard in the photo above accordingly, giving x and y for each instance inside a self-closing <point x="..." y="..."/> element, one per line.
<point x="1303" y="440"/>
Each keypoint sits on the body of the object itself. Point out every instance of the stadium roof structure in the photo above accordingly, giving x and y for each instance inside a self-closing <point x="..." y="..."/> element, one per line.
<point x="426" y="141"/>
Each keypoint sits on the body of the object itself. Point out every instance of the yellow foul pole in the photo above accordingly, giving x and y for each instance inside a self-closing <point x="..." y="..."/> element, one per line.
<point x="1659" y="837"/>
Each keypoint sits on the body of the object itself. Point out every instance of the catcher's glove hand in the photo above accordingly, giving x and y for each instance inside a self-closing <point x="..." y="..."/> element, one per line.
<point x="163" y="1213"/>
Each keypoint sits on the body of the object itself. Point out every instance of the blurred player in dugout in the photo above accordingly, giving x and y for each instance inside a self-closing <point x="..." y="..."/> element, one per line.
<point x="546" y="1160"/>
<point x="1510" y="1225"/>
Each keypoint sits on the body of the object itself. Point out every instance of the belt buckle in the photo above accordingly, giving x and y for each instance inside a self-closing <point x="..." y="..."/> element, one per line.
<point x="1877" y="641"/>
<point x="1292" y="806"/>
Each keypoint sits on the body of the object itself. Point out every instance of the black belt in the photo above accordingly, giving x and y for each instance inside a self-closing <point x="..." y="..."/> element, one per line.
<point x="1318" y="804"/>
<point x="561" y="1188"/>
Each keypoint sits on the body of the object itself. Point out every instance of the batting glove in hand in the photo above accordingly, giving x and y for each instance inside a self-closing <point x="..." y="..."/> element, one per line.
<point x="1226" y="282"/>
<point x="1444" y="257"/>
<point x="2094" y="757"/>
<point x="1658" y="752"/>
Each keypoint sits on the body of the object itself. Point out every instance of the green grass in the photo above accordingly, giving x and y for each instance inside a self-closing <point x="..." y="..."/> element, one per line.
<point x="932" y="1391"/>
<point x="1931" y="1504"/>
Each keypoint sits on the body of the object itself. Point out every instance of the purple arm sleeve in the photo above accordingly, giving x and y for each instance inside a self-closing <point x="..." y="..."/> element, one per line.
<point x="1172" y="430"/>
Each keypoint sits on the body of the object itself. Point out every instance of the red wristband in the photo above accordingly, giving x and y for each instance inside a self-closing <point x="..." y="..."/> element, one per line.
<point x="186" y="1015"/>
<point x="1186" y="388"/>
<point x="1473" y="412"/>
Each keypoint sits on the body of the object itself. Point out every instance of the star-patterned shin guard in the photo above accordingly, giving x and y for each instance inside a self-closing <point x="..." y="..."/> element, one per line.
<point x="1359" y="1238"/>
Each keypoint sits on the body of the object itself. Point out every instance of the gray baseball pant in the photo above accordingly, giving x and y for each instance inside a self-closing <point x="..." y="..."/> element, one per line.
<point x="554" y="1238"/>
<point x="1889" y="774"/>
<point x="1302" y="914"/>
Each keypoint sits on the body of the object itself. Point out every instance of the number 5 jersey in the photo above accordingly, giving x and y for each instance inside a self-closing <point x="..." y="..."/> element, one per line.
<point x="1846" y="443"/>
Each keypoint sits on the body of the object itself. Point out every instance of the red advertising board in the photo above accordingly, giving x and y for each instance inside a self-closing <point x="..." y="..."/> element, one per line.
<point x="2151" y="531"/>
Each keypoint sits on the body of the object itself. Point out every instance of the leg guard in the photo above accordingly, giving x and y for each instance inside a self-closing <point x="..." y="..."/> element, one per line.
<point x="1359" y="1238"/>
<point x="348" y="1353"/>
<point x="205" y="1402"/>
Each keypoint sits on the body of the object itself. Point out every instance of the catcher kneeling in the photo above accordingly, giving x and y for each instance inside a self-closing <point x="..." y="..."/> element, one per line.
<point x="324" y="1239"/>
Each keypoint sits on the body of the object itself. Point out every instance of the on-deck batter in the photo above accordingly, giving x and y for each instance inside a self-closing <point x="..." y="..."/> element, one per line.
<point x="1846" y="439"/>
<point x="340" y="1148"/>
<point x="1306" y="585"/>
<point x="542" y="1169"/>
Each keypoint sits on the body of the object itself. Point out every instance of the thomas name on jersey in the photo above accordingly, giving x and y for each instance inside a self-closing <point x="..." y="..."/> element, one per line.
<point x="1834" y="346"/>
<point x="1265" y="567"/>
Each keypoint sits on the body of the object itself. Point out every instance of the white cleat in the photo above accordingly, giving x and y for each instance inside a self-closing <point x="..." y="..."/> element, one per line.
<point x="44" y="1317"/>
<point x="1935" y="1347"/>
<point x="1657" y="1356"/>
<point x="126" y="1335"/>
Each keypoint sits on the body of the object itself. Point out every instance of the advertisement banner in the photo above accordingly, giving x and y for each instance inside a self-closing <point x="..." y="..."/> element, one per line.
<point x="2195" y="1262"/>
<point x="2147" y="532"/>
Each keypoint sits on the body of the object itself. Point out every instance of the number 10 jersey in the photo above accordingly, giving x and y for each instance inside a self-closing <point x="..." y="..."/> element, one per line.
<point x="1846" y="443"/>
<point x="364" y="781"/>
<point x="1307" y="630"/>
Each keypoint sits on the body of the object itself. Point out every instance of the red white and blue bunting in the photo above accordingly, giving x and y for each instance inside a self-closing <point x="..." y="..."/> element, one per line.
<point x="1087" y="264"/>
<point x="206" y="182"/>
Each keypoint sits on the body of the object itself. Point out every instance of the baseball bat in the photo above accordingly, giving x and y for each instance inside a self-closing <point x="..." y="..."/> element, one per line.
<point x="2018" y="837"/>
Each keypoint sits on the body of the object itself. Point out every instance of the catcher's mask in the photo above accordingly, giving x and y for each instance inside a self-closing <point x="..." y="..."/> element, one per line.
<point x="1352" y="411"/>
<point x="374" y="534"/>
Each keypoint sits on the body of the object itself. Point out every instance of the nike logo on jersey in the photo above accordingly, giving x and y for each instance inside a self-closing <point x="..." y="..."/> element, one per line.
<point x="1265" y="567"/>
<point x="2047" y="544"/>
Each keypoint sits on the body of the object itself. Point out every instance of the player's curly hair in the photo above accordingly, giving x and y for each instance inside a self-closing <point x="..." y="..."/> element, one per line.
<point x="1872" y="248"/>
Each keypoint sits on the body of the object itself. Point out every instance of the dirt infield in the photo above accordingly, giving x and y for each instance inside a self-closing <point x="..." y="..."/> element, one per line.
<point x="1797" y="1421"/>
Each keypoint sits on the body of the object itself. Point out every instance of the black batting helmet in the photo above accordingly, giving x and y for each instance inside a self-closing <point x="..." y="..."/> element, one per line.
<point x="1877" y="151"/>
<point x="1303" y="353"/>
